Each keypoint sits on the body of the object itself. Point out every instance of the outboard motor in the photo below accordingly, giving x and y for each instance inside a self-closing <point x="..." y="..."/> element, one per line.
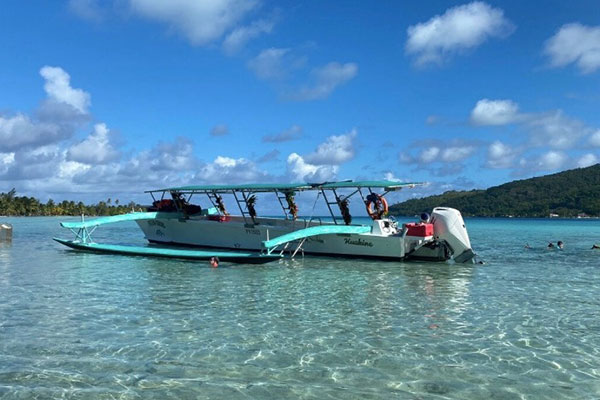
<point x="449" y="227"/>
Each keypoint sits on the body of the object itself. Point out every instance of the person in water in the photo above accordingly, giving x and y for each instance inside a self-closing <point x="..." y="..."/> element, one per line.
<point x="214" y="262"/>
<point x="596" y="246"/>
<point x="550" y="245"/>
<point x="560" y="244"/>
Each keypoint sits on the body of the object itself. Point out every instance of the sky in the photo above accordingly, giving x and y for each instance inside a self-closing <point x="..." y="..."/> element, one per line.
<point x="110" y="98"/>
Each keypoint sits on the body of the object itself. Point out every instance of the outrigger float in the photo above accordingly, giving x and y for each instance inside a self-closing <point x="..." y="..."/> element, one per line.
<point x="173" y="220"/>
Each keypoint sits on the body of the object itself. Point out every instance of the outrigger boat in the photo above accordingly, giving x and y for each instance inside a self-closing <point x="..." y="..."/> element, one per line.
<point x="173" y="220"/>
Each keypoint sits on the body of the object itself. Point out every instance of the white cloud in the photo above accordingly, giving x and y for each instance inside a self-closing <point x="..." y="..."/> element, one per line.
<point x="176" y="156"/>
<point x="301" y="171"/>
<point x="33" y="164"/>
<point x="58" y="88"/>
<point x="335" y="150"/>
<point x="552" y="160"/>
<point x="459" y="28"/>
<point x="293" y="133"/>
<point x="325" y="80"/>
<point x="269" y="64"/>
<point x="457" y="153"/>
<point x="19" y="131"/>
<point x="219" y="130"/>
<point x="429" y="155"/>
<point x="237" y="38"/>
<point x="230" y="170"/>
<point x="556" y="130"/>
<point x="500" y="155"/>
<point x="494" y="112"/>
<point x="575" y="43"/>
<point x="552" y="128"/>
<point x="95" y="149"/>
<point x="595" y="138"/>
<point x="587" y="160"/>
<point x="200" y="21"/>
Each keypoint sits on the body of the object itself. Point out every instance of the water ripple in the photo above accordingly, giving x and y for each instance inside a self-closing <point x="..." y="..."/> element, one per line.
<point x="523" y="326"/>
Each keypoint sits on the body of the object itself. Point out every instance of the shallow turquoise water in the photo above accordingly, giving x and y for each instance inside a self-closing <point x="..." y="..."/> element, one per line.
<point x="524" y="325"/>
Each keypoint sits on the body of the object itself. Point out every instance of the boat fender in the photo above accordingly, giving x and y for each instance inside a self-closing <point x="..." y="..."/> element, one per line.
<point x="377" y="206"/>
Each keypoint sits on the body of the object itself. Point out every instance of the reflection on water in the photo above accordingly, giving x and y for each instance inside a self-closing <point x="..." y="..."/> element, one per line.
<point x="95" y="326"/>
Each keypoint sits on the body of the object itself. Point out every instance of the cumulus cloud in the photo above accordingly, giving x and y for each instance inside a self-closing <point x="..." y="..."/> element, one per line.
<point x="335" y="150"/>
<point x="95" y="149"/>
<point x="176" y="156"/>
<point x="447" y="154"/>
<point x="58" y="87"/>
<point x="59" y="115"/>
<point x="302" y="171"/>
<point x="575" y="44"/>
<point x="219" y="130"/>
<point x="201" y="22"/>
<point x="230" y="170"/>
<point x="293" y="133"/>
<point x="457" y="153"/>
<point x="587" y="160"/>
<point x="458" y="29"/>
<point x="556" y="130"/>
<point x="551" y="160"/>
<point x="34" y="164"/>
<point x="325" y="80"/>
<point x="500" y="155"/>
<point x="494" y="112"/>
<point x="551" y="128"/>
<point x="19" y="131"/>
<point x="429" y="155"/>
<point x="237" y="38"/>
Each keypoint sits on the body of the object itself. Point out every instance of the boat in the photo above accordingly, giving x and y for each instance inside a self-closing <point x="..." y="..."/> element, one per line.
<point x="173" y="221"/>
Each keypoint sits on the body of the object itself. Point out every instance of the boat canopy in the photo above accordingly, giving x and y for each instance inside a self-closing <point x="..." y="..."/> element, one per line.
<point x="244" y="195"/>
<point x="277" y="187"/>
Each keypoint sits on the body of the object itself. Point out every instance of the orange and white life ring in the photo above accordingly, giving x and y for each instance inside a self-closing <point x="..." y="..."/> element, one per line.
<point x="377" y="206"/>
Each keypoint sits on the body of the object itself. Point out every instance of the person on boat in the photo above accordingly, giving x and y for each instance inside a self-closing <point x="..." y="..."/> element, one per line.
<point x="214" y="262"/>
<point x="424" y="218"/>
<point x="560" y="244"/>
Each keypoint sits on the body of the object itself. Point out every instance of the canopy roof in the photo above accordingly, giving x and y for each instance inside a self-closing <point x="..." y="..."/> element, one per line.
<point x="277" y="187"/>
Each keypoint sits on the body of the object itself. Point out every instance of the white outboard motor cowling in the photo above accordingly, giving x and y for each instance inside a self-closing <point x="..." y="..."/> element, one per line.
<point x="449" y="227"/>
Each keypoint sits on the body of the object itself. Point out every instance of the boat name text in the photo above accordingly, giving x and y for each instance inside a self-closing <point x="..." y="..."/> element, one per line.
<point x="358" y="242"/>
<point x="152" y="222"/>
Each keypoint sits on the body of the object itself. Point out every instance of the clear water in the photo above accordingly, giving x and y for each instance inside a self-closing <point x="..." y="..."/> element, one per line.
<point x="524" y="325"/>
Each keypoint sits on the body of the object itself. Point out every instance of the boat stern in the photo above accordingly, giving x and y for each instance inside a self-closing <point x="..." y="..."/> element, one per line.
<point x="449" y="228"/>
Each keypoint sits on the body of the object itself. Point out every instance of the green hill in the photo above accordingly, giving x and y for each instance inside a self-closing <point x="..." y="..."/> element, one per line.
<point x="567" y="194"/>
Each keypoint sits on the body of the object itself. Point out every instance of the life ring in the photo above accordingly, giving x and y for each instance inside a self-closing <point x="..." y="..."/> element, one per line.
<point x="377" y="206"/>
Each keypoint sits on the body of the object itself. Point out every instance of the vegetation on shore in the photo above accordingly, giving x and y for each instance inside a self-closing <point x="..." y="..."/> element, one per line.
<point x="12" y="205"/>
<point x="565" y="194"/>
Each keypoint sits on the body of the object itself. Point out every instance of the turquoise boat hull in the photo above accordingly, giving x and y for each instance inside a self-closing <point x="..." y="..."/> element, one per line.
<point x="201" y="255"/>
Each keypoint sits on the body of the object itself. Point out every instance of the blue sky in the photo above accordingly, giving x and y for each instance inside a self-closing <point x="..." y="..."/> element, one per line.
<point x="110" y="98"/>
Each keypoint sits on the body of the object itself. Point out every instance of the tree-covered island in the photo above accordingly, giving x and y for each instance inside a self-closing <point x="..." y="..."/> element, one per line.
<point x="567" y="194"/>
<point x="12" y="205"/>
